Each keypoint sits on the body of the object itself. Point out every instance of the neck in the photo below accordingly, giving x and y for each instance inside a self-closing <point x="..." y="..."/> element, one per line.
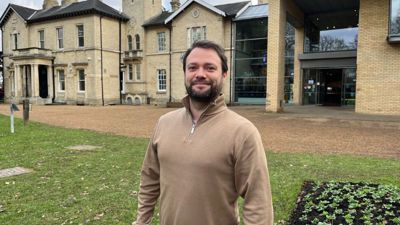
<point x="197" y="108"/>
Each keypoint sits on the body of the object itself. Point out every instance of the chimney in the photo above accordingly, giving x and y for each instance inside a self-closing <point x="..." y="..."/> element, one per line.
<point x="67" y="2"/>
<point x="47" y="4"/>
<point x="175" y="4"/>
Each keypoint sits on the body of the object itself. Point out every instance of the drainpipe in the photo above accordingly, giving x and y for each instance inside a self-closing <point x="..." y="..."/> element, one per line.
<point x="101" y="56"/>
<point x="230" y="71"/>
<point x="54" y="85"/>
<point x="119" y="66"/>
<point x="170" y="63"/>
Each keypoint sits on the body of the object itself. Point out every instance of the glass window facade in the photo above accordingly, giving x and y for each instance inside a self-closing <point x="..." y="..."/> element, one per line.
<point x="394" y="18"/>
<point x="251" y="61"/>
<point x="289" y="63"/>
<point x="335" y="31"/>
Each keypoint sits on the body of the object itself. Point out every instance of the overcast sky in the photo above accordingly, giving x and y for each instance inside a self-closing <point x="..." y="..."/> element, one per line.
<point x="37" y="4"/>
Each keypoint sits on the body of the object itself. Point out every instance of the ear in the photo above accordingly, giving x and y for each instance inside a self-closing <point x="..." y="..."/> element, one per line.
<point x="224" y="74"/>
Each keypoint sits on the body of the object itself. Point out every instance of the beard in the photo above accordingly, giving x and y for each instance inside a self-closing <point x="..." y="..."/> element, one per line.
<point x="204" y="96"/>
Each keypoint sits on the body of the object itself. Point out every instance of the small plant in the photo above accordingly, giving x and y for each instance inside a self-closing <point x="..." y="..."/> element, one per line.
<point x="349" y="203"/>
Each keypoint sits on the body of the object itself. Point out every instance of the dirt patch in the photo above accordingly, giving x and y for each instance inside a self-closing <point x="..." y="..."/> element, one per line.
<point x="280" y="132"/>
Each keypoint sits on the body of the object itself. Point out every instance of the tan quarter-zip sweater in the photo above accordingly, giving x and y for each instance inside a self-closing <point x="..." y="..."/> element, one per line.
<point x="198" y="171"/>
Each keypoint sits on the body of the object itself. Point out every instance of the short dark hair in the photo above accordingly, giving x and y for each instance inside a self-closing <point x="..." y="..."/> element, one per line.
<point x="208" y="45"/>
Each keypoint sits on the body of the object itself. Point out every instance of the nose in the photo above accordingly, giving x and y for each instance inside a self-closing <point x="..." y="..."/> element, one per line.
<point x="200" y="73"/>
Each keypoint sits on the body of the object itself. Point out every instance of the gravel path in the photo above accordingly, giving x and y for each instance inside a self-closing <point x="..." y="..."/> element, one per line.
<point x="280" y="132"/>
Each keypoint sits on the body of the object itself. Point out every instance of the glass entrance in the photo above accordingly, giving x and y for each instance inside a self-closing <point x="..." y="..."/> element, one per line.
<point x="329" y="87"/>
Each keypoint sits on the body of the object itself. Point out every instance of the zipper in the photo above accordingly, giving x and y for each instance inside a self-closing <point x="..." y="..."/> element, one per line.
<point x="201" y="116"/>
<point x="193" y="127"/>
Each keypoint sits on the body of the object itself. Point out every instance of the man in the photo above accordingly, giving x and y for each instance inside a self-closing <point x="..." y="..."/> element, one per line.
<point x="202" y="157"/>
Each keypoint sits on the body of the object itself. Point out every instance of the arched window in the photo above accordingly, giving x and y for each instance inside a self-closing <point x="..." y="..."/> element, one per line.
<point x="137" y="37"/>
<point x="130" y="42"/>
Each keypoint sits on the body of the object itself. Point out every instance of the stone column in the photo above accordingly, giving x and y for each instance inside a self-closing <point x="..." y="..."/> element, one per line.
<point x="298" y="74"/>
<point x="35" y="80"/>
<point x="49" y="81"/>
<point x="276" y="55"/>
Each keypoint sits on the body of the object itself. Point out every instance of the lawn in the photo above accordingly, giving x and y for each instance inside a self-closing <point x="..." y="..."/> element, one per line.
<point x="100" y="186"/>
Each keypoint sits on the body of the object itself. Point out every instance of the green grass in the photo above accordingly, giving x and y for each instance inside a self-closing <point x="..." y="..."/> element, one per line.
<point x="100" y="186"/>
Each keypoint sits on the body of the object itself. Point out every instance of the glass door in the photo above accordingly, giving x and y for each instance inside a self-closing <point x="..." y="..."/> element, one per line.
<point x="311" y="87"/>
<point x="349" y="87"/>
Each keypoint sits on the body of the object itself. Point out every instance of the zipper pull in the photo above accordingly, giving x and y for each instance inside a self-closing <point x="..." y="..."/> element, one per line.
<point x="192" y="130"/>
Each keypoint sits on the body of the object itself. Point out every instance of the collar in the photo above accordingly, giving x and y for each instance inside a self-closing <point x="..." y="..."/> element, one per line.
<point x="213" y="107"/>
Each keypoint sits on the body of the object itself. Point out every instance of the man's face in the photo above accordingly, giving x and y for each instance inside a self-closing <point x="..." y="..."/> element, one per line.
<point x="203" y="75"/>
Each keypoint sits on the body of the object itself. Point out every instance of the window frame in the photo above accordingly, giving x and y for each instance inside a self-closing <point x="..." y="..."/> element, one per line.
<point x="61" y="82"/>
<point x="137" y="41"/>
<point x="201" y="31"/>
<point x="393" y="37"/>
<point x="130" y="42"/>
<point x="80" y="35"/>
<point x="60" y="37"/>
<point x="81" y="81"/>
<point x="14" y="41"/>
<point x="130" y="72"/>
<point x="161" y="38"/>
<point x="161" y="80"/>
<point x="137" y="72"/>
<point x="41" y="41"/>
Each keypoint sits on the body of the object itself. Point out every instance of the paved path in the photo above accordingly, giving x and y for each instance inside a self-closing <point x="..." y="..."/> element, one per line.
<point x="304" y="128"/>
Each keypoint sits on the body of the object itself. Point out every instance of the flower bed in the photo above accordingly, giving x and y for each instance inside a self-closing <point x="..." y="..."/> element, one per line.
<point x="347" y="203"/>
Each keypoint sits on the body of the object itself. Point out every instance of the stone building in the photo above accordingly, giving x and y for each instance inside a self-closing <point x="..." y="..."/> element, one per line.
<point x="62" y="53"/>
<point x="320" y="52"/>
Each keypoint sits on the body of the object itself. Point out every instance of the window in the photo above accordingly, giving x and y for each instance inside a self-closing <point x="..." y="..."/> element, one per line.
<point x="394" y="18"/>
<point x="60" y="38"/>
<point x="61" y="80"/>
<point x="41" y="38"/>
<point x="162" y="80"/>
<point x="137" y="71"/>
<point x="130" y="42"/>
<point x="323" y="36"/>
<point x="130" y="72"/>
<point x="81" y="81"/>
<point x="196" y="34"/>
<point x="161" y="41"/>
<point x="14" y="38"/>
<point x="81" y="36"/>
<point x="137" y="37"/>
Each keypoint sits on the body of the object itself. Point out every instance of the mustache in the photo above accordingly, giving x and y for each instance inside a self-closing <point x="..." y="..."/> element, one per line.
<point x="201" y="81"/>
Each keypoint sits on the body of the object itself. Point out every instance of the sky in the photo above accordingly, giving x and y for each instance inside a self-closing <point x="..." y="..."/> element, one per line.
<point x="37" y="4"/>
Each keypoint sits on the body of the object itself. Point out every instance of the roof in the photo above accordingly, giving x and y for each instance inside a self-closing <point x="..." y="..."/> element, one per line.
<point x="157" y="20"/>
<point x="57" y="12"/>
<point x="233" y="8"/>
<point x="76" y="9"/>
<point x="23" y="12"/>
<point x="253" y="12"/>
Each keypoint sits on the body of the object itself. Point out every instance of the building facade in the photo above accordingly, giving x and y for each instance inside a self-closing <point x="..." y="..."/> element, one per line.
<point x="321" y="52"/>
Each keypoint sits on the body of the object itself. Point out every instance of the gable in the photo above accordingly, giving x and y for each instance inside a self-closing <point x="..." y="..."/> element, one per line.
<point x="189" y="3"/>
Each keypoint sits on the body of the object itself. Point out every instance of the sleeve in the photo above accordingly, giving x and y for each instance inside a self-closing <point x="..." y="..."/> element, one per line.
<point x="252" y="180"/>
<point x="149" y="189"/>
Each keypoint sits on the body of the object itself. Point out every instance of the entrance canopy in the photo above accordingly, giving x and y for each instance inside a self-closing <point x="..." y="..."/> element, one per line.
<point x="323" y="6"/>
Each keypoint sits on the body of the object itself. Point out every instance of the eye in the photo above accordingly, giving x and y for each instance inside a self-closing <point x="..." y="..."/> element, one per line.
<point x="211" y="68"/>
<point x="191" y="67"/>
